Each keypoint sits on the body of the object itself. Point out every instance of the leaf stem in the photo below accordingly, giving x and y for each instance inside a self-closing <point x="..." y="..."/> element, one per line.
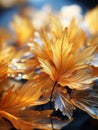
<point x="51" y="102"/>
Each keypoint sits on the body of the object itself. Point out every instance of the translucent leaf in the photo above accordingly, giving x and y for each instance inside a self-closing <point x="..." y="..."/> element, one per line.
<point x="87" y="101"/>
<point x="39" y="120"/>
<point x="15" y="100"/>
<point x="62" y="101"/>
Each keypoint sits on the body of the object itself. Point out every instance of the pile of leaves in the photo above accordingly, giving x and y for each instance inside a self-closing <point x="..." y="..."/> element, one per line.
<point x="57" y="57"/>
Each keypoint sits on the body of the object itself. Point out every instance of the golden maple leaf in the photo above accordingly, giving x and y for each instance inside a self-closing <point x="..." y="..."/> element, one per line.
<point x="63" y="66"/>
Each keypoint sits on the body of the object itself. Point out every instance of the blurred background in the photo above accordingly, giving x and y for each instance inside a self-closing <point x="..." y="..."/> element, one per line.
<point x="10" y="7"/>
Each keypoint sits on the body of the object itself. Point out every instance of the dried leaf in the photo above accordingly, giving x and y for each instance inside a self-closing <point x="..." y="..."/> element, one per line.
<point x="62" y="101"/>
<point x="87" y="101"/>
